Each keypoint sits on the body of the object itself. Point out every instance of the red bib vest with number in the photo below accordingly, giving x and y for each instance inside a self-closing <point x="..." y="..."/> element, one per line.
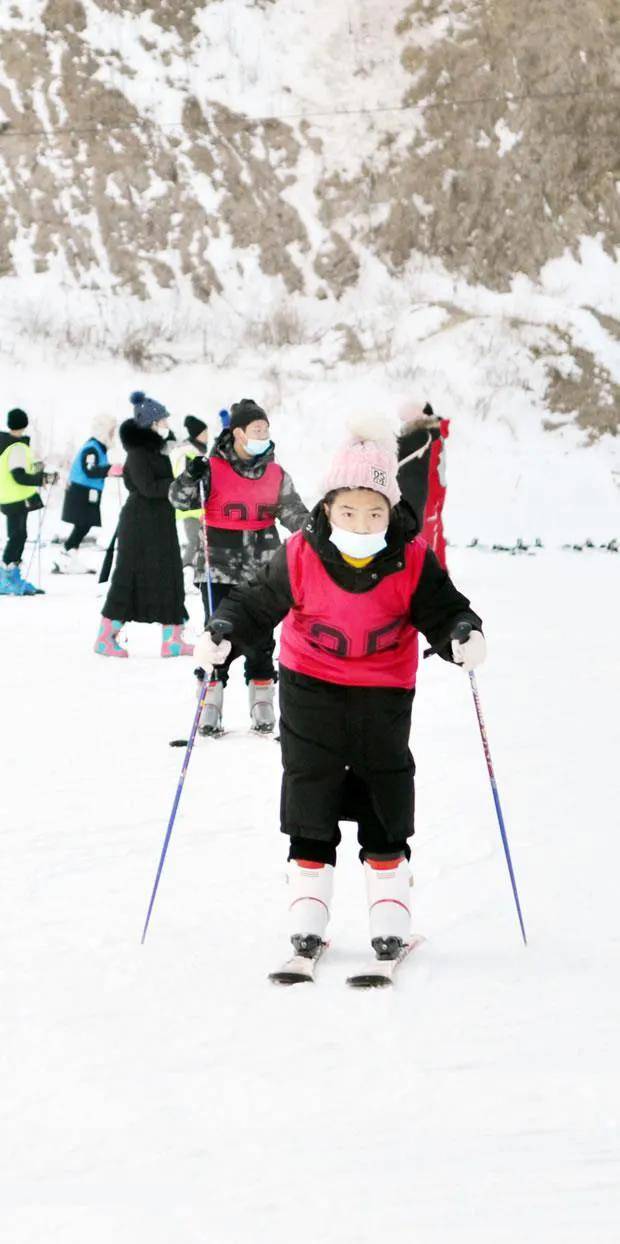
<point x="359" y="640"/>
<point x="241" y="504"/>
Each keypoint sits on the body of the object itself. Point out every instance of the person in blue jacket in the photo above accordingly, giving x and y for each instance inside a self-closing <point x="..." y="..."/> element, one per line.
<point x="82" y="505"/>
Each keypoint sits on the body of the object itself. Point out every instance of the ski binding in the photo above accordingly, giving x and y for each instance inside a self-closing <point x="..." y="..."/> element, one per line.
<point x="379" y="973"/>
<point x="301" y="966"/>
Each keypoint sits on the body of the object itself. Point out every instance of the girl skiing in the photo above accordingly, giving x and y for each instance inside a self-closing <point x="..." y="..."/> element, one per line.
<point x="354" y="587"/>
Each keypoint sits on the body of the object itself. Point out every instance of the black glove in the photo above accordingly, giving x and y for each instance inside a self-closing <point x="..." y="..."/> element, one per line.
<point x="197" y="467"/>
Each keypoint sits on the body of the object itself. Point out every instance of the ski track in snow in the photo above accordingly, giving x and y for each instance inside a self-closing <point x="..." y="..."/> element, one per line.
<point x="169" y="1092"/>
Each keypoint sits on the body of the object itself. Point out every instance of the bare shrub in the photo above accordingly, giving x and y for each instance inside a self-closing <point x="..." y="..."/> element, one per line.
<point x="285" y="326"/>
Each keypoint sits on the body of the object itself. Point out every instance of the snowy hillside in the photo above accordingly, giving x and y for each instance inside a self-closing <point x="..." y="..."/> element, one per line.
<point x="419" y="196"/>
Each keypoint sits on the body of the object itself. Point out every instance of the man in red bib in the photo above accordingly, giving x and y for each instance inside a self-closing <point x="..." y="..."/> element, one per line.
<point x="354" y="587"/>
<point x="242" y="491"/>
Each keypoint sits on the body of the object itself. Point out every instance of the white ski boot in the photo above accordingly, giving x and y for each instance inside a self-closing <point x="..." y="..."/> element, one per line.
<point x="262" y="712"/>
<point x="310" y="895"/>
<point x="211" y="717"/>
<point x="388" y="884"/>
<point x="69" y="562"/>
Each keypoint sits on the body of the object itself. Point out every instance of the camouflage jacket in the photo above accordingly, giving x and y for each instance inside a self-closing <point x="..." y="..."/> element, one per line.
<point x="237" y="556"/>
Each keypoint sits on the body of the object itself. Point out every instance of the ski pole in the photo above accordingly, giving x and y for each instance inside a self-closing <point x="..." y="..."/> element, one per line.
<point x="218" y="631"/>
<point x="39" y="526"/>
<point x="205" y="545"/>
<point x="461" y="633"/>
<point x="36" y="546"/>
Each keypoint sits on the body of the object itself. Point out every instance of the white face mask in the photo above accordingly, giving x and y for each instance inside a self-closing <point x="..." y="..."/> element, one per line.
<point x="255" y="447"/>
<point x="358" y="544"/>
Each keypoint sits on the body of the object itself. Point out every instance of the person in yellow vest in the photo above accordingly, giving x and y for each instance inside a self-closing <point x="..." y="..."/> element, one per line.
<point x="20" y="479"/>
<point x="181" y="455"/>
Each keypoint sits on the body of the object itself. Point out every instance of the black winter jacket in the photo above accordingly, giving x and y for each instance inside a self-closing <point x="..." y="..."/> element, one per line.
<point x="147" y="583"/>
<point x="414" y="457"/>
<point x="436" y="605"/>
<point x="237" y="556"/>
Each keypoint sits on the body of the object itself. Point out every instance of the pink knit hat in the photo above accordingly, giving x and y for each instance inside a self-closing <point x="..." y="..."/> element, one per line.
<point x="367" y="459"/>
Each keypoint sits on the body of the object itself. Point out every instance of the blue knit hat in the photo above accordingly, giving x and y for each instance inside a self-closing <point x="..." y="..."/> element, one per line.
<point x="146" y="410"/>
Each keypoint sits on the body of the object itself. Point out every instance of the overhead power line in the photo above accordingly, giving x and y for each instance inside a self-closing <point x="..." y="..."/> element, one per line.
<point x="8" y="130"/>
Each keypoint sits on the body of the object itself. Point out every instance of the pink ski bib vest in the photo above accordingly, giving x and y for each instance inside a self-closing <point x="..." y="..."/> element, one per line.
<point x="364" y="640"/>
<point x="241" y="504"/>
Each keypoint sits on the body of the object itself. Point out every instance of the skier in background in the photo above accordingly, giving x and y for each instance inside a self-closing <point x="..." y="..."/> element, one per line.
<point x="245" y="491"/>
<point x="181" y="455"/>
<point x="353" y="587"/>
<point x="82" y="504"/>
<point x="421" y="471"/>
<point x="20" y="479"/>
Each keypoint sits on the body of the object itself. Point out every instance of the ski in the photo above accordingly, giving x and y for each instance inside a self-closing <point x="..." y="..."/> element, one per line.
<point x="298" y="969"/>
<point x="229" y="734"/>
<point x="379" y="973"/>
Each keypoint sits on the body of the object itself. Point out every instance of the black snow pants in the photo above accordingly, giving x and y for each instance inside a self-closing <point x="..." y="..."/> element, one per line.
<point x="75" y="537"/>
<point x="259" y="659"/>
<point x="17" y="532"/>
<point x="346" y="757"/>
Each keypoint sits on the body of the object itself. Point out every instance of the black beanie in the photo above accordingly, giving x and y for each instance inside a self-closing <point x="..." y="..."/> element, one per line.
<point x="244" y="412"/>
<point x="194" y="426"/>
<point x="16" y="420"/>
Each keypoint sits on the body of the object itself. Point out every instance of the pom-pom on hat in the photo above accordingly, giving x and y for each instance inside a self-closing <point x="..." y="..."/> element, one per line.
<point x="16" y="420"/>
<point x="146" y="410"/>
<point x="368" y="458"/>
<point x="194" y="426"/>
<point x="244" y="412"/>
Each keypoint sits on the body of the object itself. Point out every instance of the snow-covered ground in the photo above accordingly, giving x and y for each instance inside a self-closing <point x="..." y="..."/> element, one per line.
<point x="169" y="1093"/>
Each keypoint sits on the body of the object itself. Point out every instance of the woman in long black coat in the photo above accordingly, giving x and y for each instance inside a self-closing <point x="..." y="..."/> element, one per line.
<point x="147" y="583"/>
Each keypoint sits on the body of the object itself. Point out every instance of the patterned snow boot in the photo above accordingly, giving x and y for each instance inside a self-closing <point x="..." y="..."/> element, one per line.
<point x="173" y="644"/>
<point x="311" y="887"/>
<point x="387" y="889"/>
<point x="211" y="717"/>
<point x="105" y="643"/>
<point x="262" y="692"/>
